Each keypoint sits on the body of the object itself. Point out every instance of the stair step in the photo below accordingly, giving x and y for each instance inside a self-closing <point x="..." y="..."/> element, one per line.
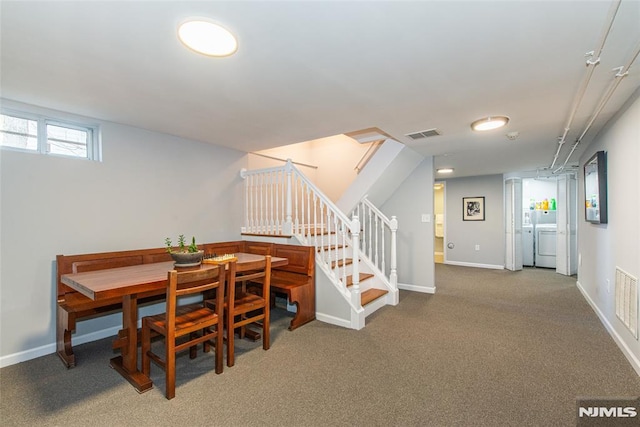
<point x="327" y="247"/>
<point x="317" y="232"/>
<point x="371" y="294"/>
<point x="341" y="262"/>
<point x="363" y="277"/>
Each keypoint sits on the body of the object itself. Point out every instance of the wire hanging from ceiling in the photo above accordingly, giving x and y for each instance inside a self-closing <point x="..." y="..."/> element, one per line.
<point x="591" y="65"/>
<point x="623" y="71"/>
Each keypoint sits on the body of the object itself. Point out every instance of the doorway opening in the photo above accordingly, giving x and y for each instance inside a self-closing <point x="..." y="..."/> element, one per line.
<point x="439" y="222"/>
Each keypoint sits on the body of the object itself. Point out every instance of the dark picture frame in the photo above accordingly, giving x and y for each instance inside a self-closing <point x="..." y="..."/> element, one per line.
<point x="473" y="208"/>
<point x="595" y="189"/>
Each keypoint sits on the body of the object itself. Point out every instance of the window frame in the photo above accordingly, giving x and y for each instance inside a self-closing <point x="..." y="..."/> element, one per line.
<point x="94" y="151"/>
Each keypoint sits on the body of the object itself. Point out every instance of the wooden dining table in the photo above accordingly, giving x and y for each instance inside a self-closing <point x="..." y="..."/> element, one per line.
<point x="128" y="283"/>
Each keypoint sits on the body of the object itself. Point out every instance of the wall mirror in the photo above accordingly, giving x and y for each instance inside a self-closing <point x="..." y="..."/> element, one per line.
<point x="595" y="188"/>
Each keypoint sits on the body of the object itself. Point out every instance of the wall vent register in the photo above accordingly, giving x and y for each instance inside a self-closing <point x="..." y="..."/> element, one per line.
<point x="627" y="300"/>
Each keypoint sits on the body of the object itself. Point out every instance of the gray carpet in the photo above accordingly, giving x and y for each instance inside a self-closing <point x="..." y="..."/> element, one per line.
<point x="491" y="348"/>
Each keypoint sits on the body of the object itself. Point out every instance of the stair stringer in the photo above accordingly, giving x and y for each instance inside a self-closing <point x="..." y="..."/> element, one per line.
<point x="380" y="281"/>
<point x="334" y="306"/>
<point x="333" y="302"/>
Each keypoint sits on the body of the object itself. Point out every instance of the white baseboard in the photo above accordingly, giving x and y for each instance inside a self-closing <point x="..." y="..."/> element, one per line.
<point x="631" y="357"/>
<point x="333" y="320"/>
<point x="33" y="353"/>
<point x="472" y="264"/>
<point x="415" y="288"/>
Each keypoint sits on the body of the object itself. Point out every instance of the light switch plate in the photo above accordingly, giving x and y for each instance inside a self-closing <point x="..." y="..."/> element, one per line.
<point x="426" y="218"/>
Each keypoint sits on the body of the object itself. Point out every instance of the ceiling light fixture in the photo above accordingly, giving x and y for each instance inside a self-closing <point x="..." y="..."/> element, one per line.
<point x="489" y="123"/>
<point x="207" y="38"/>
<point x="445" y="170"/>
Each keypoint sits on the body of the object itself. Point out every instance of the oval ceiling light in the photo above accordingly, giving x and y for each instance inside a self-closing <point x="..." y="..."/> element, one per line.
<point x="207" y="38"/>
<point x="445" y="170"/>
<point x="489" y="123"/>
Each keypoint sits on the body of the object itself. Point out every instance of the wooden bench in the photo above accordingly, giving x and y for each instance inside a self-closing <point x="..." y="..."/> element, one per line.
<point x="296" y="281"/>
<point x="72" y="305"/>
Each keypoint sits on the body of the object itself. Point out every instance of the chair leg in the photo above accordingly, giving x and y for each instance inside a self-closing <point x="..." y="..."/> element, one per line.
<point x="206" y="346"/>
<point x="230" y="342"/>
<point x="170" y="371"/>
<point x="219" y="352"/>
<point x="266" y="326"/>
<point x="193" y="350"/>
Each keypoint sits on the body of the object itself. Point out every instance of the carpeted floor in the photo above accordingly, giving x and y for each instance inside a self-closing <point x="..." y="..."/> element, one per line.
<point x="490" y="348"/>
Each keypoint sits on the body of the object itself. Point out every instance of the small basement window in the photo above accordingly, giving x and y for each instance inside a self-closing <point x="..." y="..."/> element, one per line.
<point x="44" y="135"/>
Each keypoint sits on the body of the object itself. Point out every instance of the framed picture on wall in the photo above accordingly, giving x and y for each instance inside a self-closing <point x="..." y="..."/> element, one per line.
<point x="473" y="208"/>
<point x="595" y="189"/>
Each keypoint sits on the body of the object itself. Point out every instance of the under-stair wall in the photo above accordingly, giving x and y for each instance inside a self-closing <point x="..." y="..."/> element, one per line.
<point x="391" y="164"/>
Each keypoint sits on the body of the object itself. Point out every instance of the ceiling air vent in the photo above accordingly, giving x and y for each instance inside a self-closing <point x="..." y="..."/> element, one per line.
<point x="424" y="134"/>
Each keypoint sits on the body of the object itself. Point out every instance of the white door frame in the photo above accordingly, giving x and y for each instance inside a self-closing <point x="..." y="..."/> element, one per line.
<point x="513" y="223"/>
<point x="444" y="214"/>
<point x="567" y="225"/>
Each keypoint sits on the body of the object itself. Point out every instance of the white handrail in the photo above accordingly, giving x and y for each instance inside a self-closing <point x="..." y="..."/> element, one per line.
<point x="376" y="226"/>
<point x="282" y="200"/>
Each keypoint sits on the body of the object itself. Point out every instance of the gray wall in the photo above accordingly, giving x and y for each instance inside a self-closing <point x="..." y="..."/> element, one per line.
<point x="413" y="198"/>
<point x="489" y="234"/>
<point x="604" y="247"/>
<point x="149" y="186"/>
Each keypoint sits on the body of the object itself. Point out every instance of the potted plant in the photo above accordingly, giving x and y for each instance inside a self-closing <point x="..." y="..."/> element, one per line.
<point x="183" y="255"/>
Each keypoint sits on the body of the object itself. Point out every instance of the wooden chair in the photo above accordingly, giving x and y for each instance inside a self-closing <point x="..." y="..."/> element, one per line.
<point x="243" y="308"/>
<point x="201" y="324"/>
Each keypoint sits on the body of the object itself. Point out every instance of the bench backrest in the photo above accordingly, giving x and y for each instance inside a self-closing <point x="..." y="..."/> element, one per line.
<point x="301" y="258"/>
<point x="222" y="248"/>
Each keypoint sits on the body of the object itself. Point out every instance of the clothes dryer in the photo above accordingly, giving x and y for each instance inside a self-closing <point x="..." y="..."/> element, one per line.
<point x="545" y="245"/>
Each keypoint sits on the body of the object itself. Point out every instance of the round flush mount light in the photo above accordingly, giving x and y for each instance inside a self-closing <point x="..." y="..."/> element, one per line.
<point x="489" y="123"/>
<point x="445" y="170"/>
<point x="207" y="38"/>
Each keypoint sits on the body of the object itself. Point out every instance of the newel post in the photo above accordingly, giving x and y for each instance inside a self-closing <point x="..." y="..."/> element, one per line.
<point x="355" y="246"/>
<point x="393" y="274"/>
<point x="288" y="222"/>
<point x="243" y="175"/>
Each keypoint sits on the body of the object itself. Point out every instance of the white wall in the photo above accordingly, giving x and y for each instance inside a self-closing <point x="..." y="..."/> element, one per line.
<point x="538" y="189"/>
<point x="331" y="161"/>
<point x="489" y="234"/>
<point x="148" y="187"/>
<point x="413" y="198"/>
<point x="605" y="246"/>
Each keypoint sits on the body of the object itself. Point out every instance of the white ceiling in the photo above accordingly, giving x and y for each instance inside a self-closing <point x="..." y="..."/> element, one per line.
<point x="307" y="70"/>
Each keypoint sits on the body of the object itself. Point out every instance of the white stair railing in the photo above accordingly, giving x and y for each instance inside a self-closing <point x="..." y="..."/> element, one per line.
<point x="281" y="200"/>
<point x="377" y="231"/>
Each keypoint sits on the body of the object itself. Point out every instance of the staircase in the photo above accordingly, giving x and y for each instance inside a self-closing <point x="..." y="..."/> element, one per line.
<point x="355" y="255"/>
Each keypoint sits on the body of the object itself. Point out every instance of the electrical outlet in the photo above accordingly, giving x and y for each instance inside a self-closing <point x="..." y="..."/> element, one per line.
<point x="477" y="247"/>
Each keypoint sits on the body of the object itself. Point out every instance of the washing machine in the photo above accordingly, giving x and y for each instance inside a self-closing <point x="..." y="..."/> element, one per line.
<point x="545" y="247"/>
<point x="527" y="245"/>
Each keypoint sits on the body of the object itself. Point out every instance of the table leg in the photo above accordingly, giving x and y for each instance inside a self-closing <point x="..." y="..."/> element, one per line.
<point x="127" y="363"/>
